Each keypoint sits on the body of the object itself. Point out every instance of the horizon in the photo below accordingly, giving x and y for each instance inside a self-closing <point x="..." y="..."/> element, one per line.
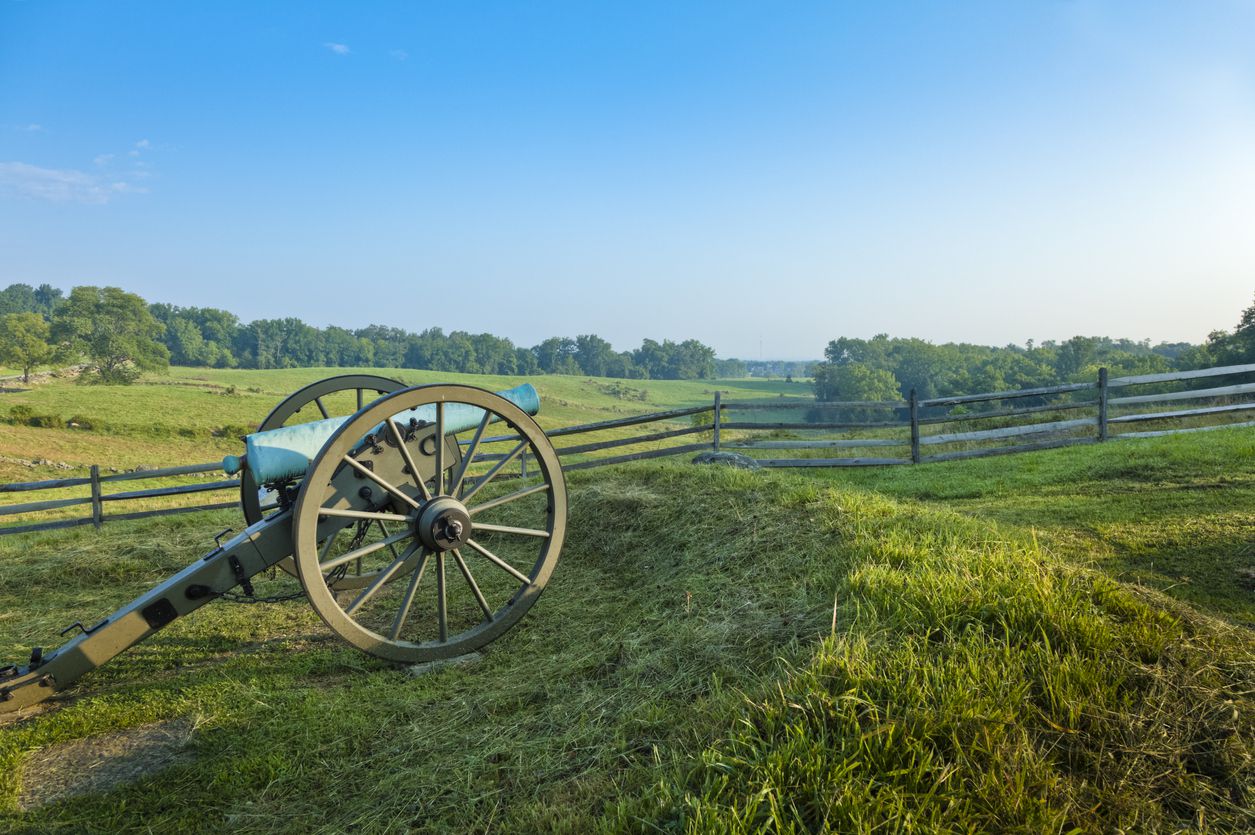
<point x="982" y="174"/>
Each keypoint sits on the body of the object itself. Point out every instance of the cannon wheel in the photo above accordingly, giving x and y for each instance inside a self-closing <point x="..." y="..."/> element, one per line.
<point x="393" y="628"/>
<point x="368" y="388"/>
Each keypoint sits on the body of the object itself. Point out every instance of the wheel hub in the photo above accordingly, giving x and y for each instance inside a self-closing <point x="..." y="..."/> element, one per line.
<point x="443" y="524"/>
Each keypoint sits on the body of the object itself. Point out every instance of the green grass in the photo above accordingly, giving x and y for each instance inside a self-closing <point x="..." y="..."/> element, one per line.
<point x="719" y="651"/>
<point x="196" y="414"/>
<point x="1174" y="513"/>
<point x="931" y="648"/>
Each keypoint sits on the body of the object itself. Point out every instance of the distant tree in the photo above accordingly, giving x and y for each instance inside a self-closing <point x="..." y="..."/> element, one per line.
<point x="460" y="355"/>
<point x="731" y="369"/>
<point x="18" y="298"/>
<point x="1074" y="355"/>
<point x="1008" y="370"/>
<point x="925" y="367"/>
<point x="185" y="343"/>
<point x="114" y="330"/>
<point x="853" y="382"/>
<point x="1242" y="343"/>
<point x="24" y="342"/>
<point x="622" y="366"/>
<point x="47" y="298"/>
<point x="691" y="360"/>
<point x="651" y="358"/>
<point x="219" y="332"/>
<point x="594" y="355"/>
<point x="873" y="352"/>
<point x="556" y="355"/>
<point x="494" y="354"/>
<point x="525" y="362"/>
<point x="390" y="344"/>
<point x="1172" y="350"/>
<point x="1196" y="356"/>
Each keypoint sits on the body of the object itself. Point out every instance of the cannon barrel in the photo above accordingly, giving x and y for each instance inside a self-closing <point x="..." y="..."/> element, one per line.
<point x="284" y="453"/>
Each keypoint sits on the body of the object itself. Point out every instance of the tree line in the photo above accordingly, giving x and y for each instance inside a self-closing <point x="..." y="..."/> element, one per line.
<point x="122" y="335"/>
<point x="886" y="368"/>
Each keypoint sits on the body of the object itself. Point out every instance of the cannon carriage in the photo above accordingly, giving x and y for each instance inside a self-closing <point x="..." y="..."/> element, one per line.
<point x="421" y="526"/>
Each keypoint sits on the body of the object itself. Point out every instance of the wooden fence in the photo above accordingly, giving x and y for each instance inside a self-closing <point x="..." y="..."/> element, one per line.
<point x="802" y="433"/>
<point x="979" y="425"/>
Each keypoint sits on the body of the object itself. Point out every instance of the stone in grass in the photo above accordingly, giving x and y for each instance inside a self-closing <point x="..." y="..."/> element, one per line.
<point x="426" y="667"/>
<point x="100" y="763"/>
<point x="730" y="459"/>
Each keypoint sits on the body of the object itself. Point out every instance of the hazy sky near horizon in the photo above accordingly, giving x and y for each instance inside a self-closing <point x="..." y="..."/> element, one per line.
<point x="763" y="177"/>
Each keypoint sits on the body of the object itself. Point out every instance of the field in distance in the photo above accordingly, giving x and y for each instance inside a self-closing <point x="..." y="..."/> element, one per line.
<point x="194" y="415"/>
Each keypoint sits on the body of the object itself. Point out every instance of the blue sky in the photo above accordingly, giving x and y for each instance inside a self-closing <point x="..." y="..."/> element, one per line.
<point x="760" y="176"/>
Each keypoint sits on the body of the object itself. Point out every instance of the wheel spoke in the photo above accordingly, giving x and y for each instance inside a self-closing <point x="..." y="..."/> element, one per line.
<point x="408" y="600"/>
<point x="357" y="465"/>
<point x="326" y="548"/>
<point x="500" y="563"/>
<point x="363" y="551"/>
<point x="345" y="513"/>
<point x="442" y="612"/>
<point x="439" y="438"/>
<point x="385" y="532"/>
<point x="491" y="474"/>
<point x="409" y="460"/>
<point x="470" y="581"/>
<point x="507" y="529"/>
<point x="383" y="577"/>
<point x="322" y="408"/>
<point x="470" y="453"/>
<point x="511" y="497"/>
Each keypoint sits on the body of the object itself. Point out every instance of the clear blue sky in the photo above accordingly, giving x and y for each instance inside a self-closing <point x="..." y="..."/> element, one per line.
<point x="760" y="176"/>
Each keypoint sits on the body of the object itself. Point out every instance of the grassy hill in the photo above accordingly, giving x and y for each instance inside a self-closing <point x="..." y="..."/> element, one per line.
<point x="1176" y="514"/>
<point x="978" y="645"/>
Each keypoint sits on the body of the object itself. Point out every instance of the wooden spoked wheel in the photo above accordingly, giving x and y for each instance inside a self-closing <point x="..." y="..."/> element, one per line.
<point x="474" y="544"/>
<point x="332" y="397"/>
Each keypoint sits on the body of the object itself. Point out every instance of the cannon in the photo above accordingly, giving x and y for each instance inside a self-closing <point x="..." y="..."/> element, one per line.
<point x="430" y="482"/>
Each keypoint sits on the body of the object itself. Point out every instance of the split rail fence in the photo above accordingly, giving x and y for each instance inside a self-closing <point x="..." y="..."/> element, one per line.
<point x="800" y="433"/>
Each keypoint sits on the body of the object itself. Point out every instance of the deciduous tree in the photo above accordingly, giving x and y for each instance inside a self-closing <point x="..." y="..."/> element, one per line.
<point x="24" y="342"/>
<point x="114" y="330"/>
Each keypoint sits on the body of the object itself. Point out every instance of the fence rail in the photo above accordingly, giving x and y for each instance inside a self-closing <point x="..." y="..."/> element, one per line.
<point x="98" y="497"/>
<point x="879" y="424"/>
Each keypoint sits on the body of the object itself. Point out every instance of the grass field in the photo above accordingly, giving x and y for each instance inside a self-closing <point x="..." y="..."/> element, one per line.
<point x="197" y="415"/>
<point x="970" y="646"/>
<point x="1176" y="514"/>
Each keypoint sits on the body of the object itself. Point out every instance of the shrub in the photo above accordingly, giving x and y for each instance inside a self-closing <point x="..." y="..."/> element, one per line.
<point x="24" y="415"/>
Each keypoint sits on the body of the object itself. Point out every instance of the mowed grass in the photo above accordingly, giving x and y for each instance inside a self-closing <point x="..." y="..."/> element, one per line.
<point x="718" y="651"/>
<point x="1175" y="513"/>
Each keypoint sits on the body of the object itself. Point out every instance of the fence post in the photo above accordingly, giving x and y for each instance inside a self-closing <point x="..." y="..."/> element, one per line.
<point x="717" y="410"/>
<point x="97" y="510"/>
<point x="1102" y="404"/>
<point x="914" y="428"/>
